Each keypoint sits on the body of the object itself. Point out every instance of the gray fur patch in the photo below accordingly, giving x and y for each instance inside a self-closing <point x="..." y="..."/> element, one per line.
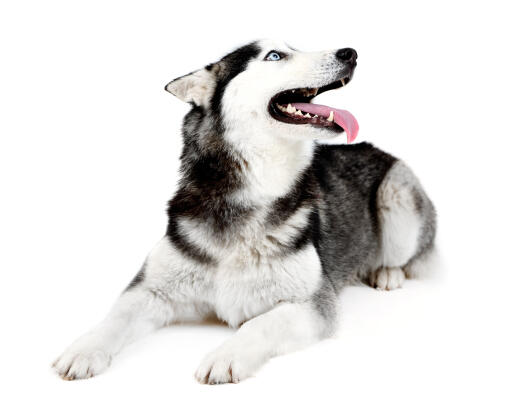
<point x="139" y="278"/>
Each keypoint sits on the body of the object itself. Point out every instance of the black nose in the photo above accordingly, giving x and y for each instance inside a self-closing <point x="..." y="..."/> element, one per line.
<point x="346" y="55"/>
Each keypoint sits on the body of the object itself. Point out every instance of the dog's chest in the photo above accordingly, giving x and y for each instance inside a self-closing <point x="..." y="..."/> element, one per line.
<point x="255" y="267"/>
<point x="242" y="291"/>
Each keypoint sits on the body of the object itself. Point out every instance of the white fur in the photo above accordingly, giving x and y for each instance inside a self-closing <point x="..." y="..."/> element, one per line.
<point x="400" y="221"/>
<point x="276" y="153"/>
<point x="135" y="314"/>
<point x="253" y="244"/>
<point x="428" y="265"/>
<point x="274" y="164"/>
<point x="387" y="278"/>
<point x="176" y="289"/>
<point x="197" y="87"/>
<point x="252" y="284"/>
<point x="300" y="69"/>
<point x="285" y="328"/>
<point x="240" y="287"/>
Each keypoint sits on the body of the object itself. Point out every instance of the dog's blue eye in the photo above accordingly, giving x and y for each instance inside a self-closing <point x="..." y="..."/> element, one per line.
<point x="273" y="56"/>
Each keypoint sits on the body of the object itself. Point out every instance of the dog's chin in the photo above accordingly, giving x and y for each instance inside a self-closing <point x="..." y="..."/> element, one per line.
<point x="305" y="132"/>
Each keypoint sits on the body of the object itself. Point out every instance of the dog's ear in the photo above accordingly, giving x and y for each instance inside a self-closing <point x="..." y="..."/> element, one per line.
<point x="196" y="87"/>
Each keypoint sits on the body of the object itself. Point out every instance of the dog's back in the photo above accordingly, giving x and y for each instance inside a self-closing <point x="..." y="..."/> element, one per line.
<point x="377" y="219"/>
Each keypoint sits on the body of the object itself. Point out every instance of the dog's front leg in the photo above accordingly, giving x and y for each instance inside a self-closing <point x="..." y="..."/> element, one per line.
<point x="136" y="313"/>
<point x="141" y="309"/>
<point x="287" y="327"/>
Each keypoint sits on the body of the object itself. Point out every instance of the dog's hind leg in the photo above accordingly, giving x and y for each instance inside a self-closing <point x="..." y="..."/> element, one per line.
<point x="407" y="227"/>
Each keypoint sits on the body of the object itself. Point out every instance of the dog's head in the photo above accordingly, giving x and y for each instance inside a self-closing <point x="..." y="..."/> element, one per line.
<point x="267" y="87"/>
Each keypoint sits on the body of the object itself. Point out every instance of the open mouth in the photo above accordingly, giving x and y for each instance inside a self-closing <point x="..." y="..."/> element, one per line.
<point x="294" y="106"/>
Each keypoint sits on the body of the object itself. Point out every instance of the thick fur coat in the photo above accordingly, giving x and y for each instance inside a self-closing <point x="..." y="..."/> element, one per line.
<point x="266" y="226"/>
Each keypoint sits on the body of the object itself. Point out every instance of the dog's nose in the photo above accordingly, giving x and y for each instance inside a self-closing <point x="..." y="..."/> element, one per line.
<point x="346" y="55"/>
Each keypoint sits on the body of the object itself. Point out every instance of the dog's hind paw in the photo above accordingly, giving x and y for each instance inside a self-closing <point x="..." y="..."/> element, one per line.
<point x="387" y="278"/>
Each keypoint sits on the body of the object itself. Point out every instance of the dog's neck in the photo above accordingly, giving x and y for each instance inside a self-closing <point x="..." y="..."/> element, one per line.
<point x="273" y="164"/>
<point x="225" y="180"/>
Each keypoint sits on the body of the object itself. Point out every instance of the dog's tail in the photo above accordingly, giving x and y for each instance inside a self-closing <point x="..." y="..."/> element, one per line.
<point x="426" y="266"/>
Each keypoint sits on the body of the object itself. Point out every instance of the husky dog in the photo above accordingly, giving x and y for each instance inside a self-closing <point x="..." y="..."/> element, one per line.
<point x="266" y="226"/>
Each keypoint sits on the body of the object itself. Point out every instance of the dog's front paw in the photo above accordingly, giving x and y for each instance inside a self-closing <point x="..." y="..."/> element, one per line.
<point x="387" y="278"/>
<point x="82" y="360"/>
<point x="228" y="364"/>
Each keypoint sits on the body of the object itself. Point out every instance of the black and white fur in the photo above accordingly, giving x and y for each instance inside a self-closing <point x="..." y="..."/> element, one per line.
<point x="266" y="226"/>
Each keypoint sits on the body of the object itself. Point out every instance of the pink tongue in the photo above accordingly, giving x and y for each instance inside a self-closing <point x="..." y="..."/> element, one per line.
<point x="341" y="117"/>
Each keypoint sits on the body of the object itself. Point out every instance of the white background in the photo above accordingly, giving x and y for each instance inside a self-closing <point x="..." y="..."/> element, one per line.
<point x="88" y="158"/>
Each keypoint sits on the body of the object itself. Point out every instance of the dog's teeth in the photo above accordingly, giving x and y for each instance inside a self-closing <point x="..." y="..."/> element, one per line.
<point x="290" y="109"/>
<point x="331" y="116"/>
<point x="342" y="81"/>
<point x="315" y="116"/>
<point x="314" y="91"/>
<point x="298" y="113"/>
<point x="308" y="115"/>
<point x="281" y="107"/>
